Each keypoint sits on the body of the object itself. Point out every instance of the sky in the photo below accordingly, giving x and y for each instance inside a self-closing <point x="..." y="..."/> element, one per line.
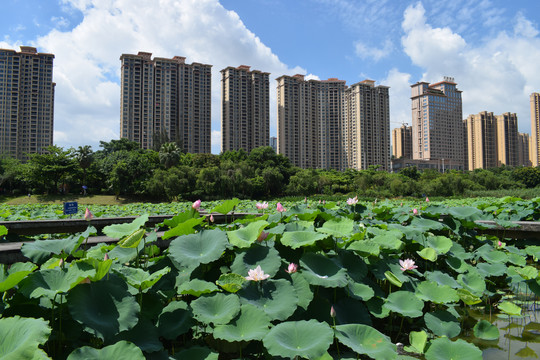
<point x="490" y="47"/>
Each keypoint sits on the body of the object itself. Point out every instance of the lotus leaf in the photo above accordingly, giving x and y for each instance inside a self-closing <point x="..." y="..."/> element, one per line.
<point x="277" y="298"/>
<point x="267" y="257"/>
<point x="306" y="339"/>
<point x="467" y="297"/>
<point x="441" y="279"/>
<point x="246" y="236"/>
<point x="21" y="338"/>
<point x="388" y="241"/>
<point x="118" y="231"/>
<point x="427" y="224"/>
<point x="175" y="319"/>
<point x="322" y="270"/>
<point x="303" y="290"/>
<point x="355" y="265"/>
<point x="442" y="323"/>
<point x="122" y="350"/>
<point x="428" y="254"/>
<point x="51" y="282"/>
<point x="145" y="335"/>
<point x="438" y="294"/>
<point x="404" y="303"/>
<point x="376" y="307"/>
<point x="105" y="307"/>
<point x="473" y="282"/>
<point x="445" y="349"/>
<point x="132" y="240"/>
<point x="296" y="239"/>
<point x="216" y="309"/>
<point x="184" y="228"/>
<point x="509" y="308"/>
<point x="440" y="243"/>
<point x="418" y="340"/>
<point x="14" y="274"/>
<point x="526" y="352"/>
<point x="494" y="269"/>
<point x="485" y="330"/>
<point x="338" y="227"/>
<point x="197" y="287"/>
<point x="201" y="248"/>
<point x="517" y="259"/>
<point x="140" y="279"/>
<point x="366" y="340"/>
<point x="390" y="276"/>
<point x="231" y="282"/>
<point x="367" y="247"/>
<point x="360" y="291"/>
<point x="252" y="324"/>
<point x="528" y="272"/>
<point x="495" y="257"/>
<point x="227" y="206"/>
<point x="457" y="264"/>
<point x="196" y="353"/>
<point x="351" y="311"/>
<point x="181" y="217"/>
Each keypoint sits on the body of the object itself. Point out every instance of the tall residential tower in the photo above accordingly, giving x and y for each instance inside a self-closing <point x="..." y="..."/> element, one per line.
<point x="534" y="149"/>
<point x="26" y="102"/>
<point x="245" y="108"/>
<point x="168" y="97"/>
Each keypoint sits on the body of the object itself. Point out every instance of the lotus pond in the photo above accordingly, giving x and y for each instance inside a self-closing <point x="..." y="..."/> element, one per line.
<point x="316" y="281"/>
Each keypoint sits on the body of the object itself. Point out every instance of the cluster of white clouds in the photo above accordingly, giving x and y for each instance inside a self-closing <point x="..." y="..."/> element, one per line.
<point x="496" y="72"/>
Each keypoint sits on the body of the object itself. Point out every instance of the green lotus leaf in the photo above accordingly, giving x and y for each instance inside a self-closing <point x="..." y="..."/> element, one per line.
<point x="441" y="244"/>
<point x="266" y="257"/>
<point x="231" y="282"/>
<point x="473" y="282"/>
<point x="468" y="213"/>
<point x="485" y="330"/>
<point x="445" y="349"/>
<point x="226" y="206"/>
<point x="105" y="308"/>
<point x="438" y="294"/>
<point x="118" y="231"/>
<point x="51" y="282"/>
<point x="366" y="247"/>
<point x="145" y="335"/>
<point x="441" y="279"/>
<point x="296" y="239"/>
<point x="303" y="290"/>
<point x="303" y="339"/>
<point x="21" y="338"/>
<point x="467" y="297"/>
<point x="351" y="311"/>
<point x="390" y="276"/>
<point x="360" y="291"/>
<point x="418" y="340"/>
<point x="376" y="307"/>
<point x="175" y="319"/>
<point x="509" y="308"/>
<point x="428" y="254"/>
<point x="184" y="228"/>
<point x="426" y="224"/>
<point x="246" y="236"/>
<point x="182" y="217"/>
<point x="14" y="274"/>
<point x="201" y="248"/>
<point x="366" y="340"/>
<point x="322" y="270"/>
<point x="493" y="269"/>
<point x="338" y="227"/>
<point x="495" y="257"/>
<point x="517" y="259"/>
<point x="355" y="265"/>
<point x="442" y="323"/>
<point x="196" y="353"/>
<point x="404" y="303"/>
<point x="132" y="240"/>
<point x="122" y="350"/>
<point x="140" y="279"/>
<point x="252" y="324"/>
<point x="216" y="309"/>
<point x="526" y="352"/>
<point x="277" y="298"/>
<point x="3" y="230"/>
<point x="388" y="241"/>
<point x="528" y="272"/>
<point x="197" y="287"/>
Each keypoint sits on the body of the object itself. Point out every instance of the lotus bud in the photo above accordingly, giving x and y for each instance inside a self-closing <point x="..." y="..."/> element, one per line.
<point x="106" y="257"/>
<point x="262" y="236"/>
<point x="292" y="268"/>
<point x="88" y="215"/>
<point x="427" y="199"/>
<point x="280" y="207"/>
<point x="211" y="218"/>
<point x="196" y="205"/>
<point x="415" y="211"/>
<point x="332" y="312"/>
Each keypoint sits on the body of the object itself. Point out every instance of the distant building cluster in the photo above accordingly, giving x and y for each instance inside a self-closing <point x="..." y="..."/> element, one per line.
<point x="320" y="123"/>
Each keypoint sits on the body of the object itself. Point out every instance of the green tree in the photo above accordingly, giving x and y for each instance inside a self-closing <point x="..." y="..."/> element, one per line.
<point x="169" y="155"/>
<point x="46" y="171"/>
<point x="83" y="154"/>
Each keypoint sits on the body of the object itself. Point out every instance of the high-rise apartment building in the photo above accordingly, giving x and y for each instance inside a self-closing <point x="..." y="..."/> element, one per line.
<point x="245" y="108"/>
<point x="26" y="102"/>
<point x="163" y="96"/>
<point x="523" y="149"/>
<point x="437" y="122"/>
<point x="402" y="142"/>
<point x="507" y="139"/>
<point x="366" y="129"/>
<point x="534" y="149"/>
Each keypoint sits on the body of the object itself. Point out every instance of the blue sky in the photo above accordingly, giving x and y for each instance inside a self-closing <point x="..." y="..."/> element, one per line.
<point x="490" y="47"/>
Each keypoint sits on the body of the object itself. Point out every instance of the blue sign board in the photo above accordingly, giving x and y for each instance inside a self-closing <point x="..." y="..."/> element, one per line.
<point x="70" y="208"/>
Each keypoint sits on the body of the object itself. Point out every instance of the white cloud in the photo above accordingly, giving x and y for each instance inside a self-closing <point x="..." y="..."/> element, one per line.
<point x="366" y="52"/>
<point x="400" y="93"/>
<point x="216" y="141"/>
<point x="87" y="65"/>
<point x="495" y="75"/>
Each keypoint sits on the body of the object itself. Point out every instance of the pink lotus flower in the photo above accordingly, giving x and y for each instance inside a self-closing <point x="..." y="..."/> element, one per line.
<point x="427" y="199"/>
<point x="88" y="215"/>
<point x="415" y="211"/>
<point x="332" y="312"/>
<point x="211" y="218"/>
<point x="292" y="268"/>
<point x="305" y="199"/>
<point x="257" y="274"/>
<point x="352" y="201"/>
<point x="196" y="205"/>
<point x="262" y="206"/>
<point x="280" y="207"/>
<point x="262" y="236"/>
<point x="61" y="262"/>
<point x="106" y="257"/>
<point x="407" y="264"/>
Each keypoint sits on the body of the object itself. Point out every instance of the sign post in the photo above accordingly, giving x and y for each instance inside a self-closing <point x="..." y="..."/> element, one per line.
<point x="70" y="208"/>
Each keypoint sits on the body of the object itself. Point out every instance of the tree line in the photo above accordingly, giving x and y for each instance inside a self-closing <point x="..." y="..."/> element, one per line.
<point x="121" y="167"/>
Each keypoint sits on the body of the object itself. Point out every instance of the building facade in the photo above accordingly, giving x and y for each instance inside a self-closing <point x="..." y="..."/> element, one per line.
<point x="245" y="108"/>
<point x="168" y="97"/>
<point x="481" y="135"/>
<point x="534" y="149"/>
<point x="507" y="139"/>
<point x="523" y="149"/>
<point x="26" y="102"/>
<point x="402" y="141"/>
<point x="437" y="122"/>
<point x="366" y="130"/>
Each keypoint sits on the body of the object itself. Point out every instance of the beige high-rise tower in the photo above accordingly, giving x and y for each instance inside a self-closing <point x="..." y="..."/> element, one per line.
<point x="437" y="122"/>
<point x="535" y="129"/>
<point x="167" y="97"/>
<point x="523" y="149"/>
<point x="507" y="139"/>
<point x="402" y="140"/>
<point x="26" y="102"/>
<point x="245" y="108"/>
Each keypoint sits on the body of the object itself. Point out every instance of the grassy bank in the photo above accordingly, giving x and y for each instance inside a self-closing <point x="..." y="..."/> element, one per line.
<point x="82" y="200"/>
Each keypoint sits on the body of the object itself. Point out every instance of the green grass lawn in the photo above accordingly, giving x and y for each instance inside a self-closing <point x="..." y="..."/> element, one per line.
<point x="59" y="199"/>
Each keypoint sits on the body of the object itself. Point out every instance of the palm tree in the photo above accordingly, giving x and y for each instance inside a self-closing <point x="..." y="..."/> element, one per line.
<point x="85" y="158"/>
<point x="169" y="154"/>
